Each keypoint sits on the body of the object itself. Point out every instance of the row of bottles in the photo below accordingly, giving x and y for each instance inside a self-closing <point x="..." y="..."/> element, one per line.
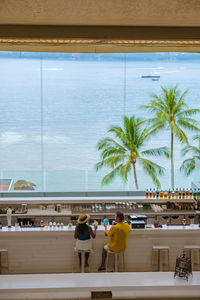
<point x="173" y="194"/>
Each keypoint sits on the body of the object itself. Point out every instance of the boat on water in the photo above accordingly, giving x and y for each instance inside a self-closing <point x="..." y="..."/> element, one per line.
<point x="155" y="79"/>
<point x="151" y="76"/>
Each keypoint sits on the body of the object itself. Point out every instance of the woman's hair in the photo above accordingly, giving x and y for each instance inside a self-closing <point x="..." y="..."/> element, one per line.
<point x="81" y="228"/>
<point x="120" y="215"/>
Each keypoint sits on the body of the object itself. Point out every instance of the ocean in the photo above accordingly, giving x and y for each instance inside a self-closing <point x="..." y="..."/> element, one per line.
<point x="54" y="111"/>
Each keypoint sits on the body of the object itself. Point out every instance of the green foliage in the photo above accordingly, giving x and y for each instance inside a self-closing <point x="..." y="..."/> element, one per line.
<point x="122" y="152"/>
<point x="190" y="164"/>
<point x="170" y="112"/>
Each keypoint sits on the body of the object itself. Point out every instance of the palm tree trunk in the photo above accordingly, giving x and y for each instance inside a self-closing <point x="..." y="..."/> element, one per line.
<point x="172" y="159"/>
<point x="135" y="176"/>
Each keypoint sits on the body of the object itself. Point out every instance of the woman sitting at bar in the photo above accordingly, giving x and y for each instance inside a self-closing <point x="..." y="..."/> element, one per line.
<point x="83" y="234"/>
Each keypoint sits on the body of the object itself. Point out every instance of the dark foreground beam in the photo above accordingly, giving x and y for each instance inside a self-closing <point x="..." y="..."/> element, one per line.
<point x="99" y="38"/>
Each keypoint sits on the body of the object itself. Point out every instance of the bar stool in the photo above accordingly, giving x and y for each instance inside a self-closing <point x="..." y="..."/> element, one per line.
<point x="117" y="256"/>
<point x="157" y="254"/>
<point x="190" y="251"/>
<point x="82" y="252"/>
<point x="3" y="260"/>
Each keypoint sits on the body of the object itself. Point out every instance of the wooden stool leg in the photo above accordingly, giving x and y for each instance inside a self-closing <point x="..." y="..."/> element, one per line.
<point x="82" y="262"/>
<point x="107" y="258"/>
<point x="192" y="258"/>
<point x="123" y="263"/>
<point x="168" y="260"/>
<point x="160" y="260"/>
<point x="74" y="260"/>
<point x="116" y="262"/>
<point x="90" y="261"/>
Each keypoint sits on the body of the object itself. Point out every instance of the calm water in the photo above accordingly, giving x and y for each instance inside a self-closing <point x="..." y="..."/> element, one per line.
<point x="51" y="120"/>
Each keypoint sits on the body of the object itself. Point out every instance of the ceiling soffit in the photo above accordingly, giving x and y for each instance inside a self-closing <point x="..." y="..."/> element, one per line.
<point x="101" y="12"/>
<point x="99" y="38"/>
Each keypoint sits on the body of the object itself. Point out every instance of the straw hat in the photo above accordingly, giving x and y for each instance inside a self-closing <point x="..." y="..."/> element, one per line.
<point x="83" y="218"/>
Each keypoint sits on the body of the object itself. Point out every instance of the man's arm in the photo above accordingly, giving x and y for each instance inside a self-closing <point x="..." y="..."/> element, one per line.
<point x="110" y="231"/>
<point x="106" y="229"/>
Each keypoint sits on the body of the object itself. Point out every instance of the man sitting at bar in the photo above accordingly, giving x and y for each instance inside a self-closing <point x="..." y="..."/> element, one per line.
<point x="118" y="238"/>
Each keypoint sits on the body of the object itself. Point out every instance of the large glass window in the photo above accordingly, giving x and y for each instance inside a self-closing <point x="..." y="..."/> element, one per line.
<point x="56" y="107"/>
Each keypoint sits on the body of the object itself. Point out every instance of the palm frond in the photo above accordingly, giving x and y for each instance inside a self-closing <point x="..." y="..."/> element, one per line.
<point x="156" y="127"/>
<point x="180" y="104"/>
<point x="110" y="176"/>
<point x="144" y="136"/>
<point x="190" y="120"/>
<point x="107" y="142"/>
<point x="186" y="149"/>
<point x="125" y="169"/>
<point x="188" y="112"/>
<point x="190" y="149"/>
<point x="120" y="134"/>
<point x="152" y="169"/>
<point x="196" y="137"/>
<point x="162" y="151"/>
<point x="190" y="125"/>
<point x="188" y="166"/>
<point x="179" y="133"/>
<point x="111" y="161"/>
<point x="110" y="151"/>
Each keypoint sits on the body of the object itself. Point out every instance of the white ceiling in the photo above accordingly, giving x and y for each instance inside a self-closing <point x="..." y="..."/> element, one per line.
<point x="100" y="12"/>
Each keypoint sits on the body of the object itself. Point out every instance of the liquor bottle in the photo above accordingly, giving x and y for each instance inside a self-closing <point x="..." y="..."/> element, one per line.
<point x="150" y="193"/>
<point x="183" y="194"/>
<point x="176" y="193"/>
<point x="187" y="194"/>
<point x="169" y="194"/>
<point x="198" y="194"/>
<point x="154" y="193"/>
<point x="161" y="194"/>
<point x="179" y="194"/>
<point x="191" y="194"/>
<point x="147" y="194"/>
<point x="157" y="194"/>
<point x="195" y="194"/>
<point x="165" y="195"/>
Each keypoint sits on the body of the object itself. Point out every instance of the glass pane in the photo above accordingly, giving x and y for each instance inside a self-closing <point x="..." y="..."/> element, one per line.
<point x="55" y="107"/>
<point x="20" y="135"/>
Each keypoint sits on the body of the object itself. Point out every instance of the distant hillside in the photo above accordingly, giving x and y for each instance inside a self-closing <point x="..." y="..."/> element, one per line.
<point x="103" y="56"/>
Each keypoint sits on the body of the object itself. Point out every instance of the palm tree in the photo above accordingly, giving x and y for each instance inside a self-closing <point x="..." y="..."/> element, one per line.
<point x="171" y="113"/>
<point x="190" y="164"/>
<point x="122" y="153"/>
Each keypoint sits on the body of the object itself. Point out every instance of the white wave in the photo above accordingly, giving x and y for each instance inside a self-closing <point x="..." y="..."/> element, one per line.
<point x="11" y="137"/>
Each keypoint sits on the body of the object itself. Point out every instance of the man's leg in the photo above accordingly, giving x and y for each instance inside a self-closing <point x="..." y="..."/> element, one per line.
<point x="103" y="260"/>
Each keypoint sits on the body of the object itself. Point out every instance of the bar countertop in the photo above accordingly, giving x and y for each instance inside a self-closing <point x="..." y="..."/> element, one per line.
<point x="51" y="249"/>
<point x="100" y="228"/>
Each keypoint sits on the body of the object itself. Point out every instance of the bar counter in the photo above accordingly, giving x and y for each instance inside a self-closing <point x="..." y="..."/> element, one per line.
<point x="51" y="250"/>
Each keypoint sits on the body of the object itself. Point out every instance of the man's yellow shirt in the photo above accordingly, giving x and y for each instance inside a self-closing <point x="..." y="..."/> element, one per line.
<point x="118" y="237"/>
